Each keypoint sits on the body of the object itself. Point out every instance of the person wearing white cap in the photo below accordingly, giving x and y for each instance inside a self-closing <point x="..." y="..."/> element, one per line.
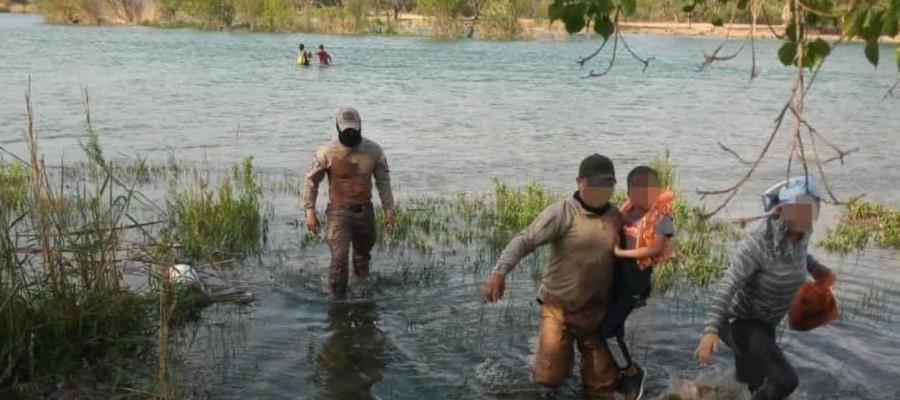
<point x="350" y="162"/>
<point x="768" y="267"/>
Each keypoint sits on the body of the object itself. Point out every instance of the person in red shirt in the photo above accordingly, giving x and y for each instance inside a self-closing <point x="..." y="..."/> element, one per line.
<point x="324" y="57"/>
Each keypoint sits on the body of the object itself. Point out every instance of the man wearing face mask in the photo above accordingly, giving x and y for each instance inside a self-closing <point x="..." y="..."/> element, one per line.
<point x="768" y="267"/>
<point x="582" y="232"/>
<point x="350" y="162"/>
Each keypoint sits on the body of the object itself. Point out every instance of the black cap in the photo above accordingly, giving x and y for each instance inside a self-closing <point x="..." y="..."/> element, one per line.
<point x="598" y="170"/>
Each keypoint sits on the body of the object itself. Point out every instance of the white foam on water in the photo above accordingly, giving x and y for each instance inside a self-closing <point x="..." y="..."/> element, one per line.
<point x="708" y="385"/>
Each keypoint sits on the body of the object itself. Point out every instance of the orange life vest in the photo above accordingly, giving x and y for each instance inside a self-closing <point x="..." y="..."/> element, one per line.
<point x="646" y="227"/>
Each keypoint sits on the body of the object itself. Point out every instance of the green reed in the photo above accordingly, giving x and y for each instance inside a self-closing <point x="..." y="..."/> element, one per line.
<point x="66" y="233"/>
<point x="218" y="223"/>
<point x="479" y="226"/>
<point x="862" y="223"/>
<point x="62" y="300"/>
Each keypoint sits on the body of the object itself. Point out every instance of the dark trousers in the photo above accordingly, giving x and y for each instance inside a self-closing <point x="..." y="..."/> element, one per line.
<point x="614" y="325"/>
<point x="352" y="226"/>
<point x="759" y="362"/>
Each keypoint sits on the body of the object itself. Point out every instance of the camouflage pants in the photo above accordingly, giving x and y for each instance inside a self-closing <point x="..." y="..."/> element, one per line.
<point x="349" y="226"/>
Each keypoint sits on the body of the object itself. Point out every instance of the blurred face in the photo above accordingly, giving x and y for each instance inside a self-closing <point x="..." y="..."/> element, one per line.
<point x="644" y="196"/>
<point x="350" y="137"/>
<point x="799" y="218"/>
<point x="595" y="196"/>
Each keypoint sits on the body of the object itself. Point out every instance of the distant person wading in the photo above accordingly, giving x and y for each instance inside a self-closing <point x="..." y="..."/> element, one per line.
<point x="303" y="56"/>
<point x="324" y="57"/>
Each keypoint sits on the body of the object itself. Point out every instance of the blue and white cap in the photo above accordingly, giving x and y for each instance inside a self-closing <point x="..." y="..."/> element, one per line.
<point x="796" y="190"/>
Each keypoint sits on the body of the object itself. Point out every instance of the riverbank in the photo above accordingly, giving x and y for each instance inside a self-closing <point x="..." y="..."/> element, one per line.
<point x="333" y="20"/>
<point x="15" y="7"/>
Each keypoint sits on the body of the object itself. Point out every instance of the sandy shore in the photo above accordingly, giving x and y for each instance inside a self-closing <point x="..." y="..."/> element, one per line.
<point x="414" y="24"/>
<point x="16" y="8"/>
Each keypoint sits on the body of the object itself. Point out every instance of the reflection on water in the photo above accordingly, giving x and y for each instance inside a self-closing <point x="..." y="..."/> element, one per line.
<point x="352" y="359"/>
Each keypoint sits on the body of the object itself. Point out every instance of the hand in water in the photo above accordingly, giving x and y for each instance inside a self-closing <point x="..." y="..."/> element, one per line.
<point x="709" y="344"/>
<point x="494" y="286"/>
<point x="312" y="222"/>
<point x="390" y="218"/>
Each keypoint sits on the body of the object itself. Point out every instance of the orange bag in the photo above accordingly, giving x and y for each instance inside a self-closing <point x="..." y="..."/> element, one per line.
<point x="814" y="305"/>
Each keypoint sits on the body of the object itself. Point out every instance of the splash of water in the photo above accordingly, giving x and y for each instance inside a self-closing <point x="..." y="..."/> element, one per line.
<point x="711" y="385"/>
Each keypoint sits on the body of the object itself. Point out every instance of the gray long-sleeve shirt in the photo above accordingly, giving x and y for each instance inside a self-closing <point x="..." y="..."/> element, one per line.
<point x="766" y="271"/>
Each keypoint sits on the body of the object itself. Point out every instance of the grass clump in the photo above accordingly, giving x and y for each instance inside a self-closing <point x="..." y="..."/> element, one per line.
<point x="699" y="243"/>
<point x="864" y="222"/>
<point x="222" y="223"/>
<point x="63" y="303"/>
<point x="514" y="209"/>
<point x="14" y="183"/>
<point x="485" y="224"/>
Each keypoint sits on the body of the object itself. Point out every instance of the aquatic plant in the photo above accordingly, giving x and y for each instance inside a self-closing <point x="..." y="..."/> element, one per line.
<point x="217" y="224"/>
<point x="62" y="301"/>
<point x="515" y="209"/>
<point x="864" y="222"/>
<point x="65" y="235"/>
<point x="14" y="184"/>
<point x="480" y="226"/>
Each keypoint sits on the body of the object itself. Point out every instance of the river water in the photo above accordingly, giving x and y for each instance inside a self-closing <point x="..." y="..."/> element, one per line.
<point x="452" y="116"/>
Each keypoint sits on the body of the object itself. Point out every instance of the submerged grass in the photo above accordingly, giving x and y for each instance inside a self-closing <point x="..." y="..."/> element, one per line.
<point x="65" y="237"/>
<point x="62" y="300"/>
<point x="217" y="224"/>
<point x="480" y="226"/>
<point x="864" y="222"/>
<point x="14" y="183"/>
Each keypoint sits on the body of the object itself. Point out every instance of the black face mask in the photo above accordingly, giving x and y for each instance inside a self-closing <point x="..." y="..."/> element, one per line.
<point x="350" y="137"/>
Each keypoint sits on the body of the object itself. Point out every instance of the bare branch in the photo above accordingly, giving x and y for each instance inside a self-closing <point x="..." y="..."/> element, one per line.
<point x="841" y="156"/>
<point x="821" y="170"/>
<point x="815" y="73"/>
<point x="708" y="59"/>
<point x="769" y="24"/>
<point x="797" y="106"/>
<point x="583" y="60"/>
<point x="13" y="155"/>
<point x="841" y="153"/>
<point x="799" y="141"/>
<point x="733" y="190"/>
<point x="790" y="163"/>
<point x="753" y="72"/>
<point x="890" y="92"/>
<point x="735" y="154"/>
<point x="612" y="60"/>
<point x="644" y="61"/>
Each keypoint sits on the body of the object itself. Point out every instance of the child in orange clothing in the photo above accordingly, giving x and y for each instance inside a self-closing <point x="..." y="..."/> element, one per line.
<point x="647" y="230"/>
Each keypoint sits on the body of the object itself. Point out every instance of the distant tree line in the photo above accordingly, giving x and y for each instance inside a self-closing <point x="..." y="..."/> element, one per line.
<point x="448" y="18"/>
